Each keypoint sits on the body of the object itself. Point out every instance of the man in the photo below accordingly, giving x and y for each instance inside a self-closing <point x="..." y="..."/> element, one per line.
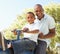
<point x="47" y="28"/>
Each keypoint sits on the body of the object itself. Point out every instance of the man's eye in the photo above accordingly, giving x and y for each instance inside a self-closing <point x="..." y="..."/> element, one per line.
<point x="36" y="11"/>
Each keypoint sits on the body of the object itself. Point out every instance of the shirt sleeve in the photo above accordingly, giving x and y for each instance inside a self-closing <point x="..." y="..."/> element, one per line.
<point x="36" y="27"/>
<point x="51" y="24"/>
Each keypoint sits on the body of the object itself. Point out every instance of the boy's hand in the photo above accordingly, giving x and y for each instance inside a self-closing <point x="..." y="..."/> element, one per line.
<point x="25" y="29"/>
<point x="14" y="31"/>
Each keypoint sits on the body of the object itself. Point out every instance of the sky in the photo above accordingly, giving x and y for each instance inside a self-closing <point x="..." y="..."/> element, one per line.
<point x="9" y="9"/>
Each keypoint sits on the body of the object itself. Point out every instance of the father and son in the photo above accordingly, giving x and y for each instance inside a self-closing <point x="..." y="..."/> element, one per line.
<point x="37" y="32"/>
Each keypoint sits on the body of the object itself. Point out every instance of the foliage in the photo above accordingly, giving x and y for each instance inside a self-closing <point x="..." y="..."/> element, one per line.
<point x="53" y="10"/>
<point x="57" y="32"/>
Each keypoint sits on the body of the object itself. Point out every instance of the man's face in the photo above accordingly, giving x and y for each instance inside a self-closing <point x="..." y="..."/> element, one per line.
<point x="38" y="11"/>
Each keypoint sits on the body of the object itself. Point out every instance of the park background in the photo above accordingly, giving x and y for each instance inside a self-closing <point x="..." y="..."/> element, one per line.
<point x="13" y="15"/>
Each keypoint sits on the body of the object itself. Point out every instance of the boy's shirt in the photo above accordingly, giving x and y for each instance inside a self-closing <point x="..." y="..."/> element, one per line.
<point x="32" y="36"/>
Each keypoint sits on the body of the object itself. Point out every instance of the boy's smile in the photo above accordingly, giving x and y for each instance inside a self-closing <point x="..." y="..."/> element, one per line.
<point x="30" y="18"/>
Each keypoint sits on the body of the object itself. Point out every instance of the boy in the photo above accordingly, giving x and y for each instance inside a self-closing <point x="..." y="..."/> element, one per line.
<point x="31" y="31"/>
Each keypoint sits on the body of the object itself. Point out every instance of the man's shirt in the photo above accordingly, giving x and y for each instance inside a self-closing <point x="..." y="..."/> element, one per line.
<point x="45" y="24"/>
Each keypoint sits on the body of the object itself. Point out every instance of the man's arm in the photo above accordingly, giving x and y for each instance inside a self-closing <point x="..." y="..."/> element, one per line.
<point x="49" y="35"/>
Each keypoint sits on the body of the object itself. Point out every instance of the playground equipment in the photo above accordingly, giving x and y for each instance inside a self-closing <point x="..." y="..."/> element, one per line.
<point x="4" y="42"/>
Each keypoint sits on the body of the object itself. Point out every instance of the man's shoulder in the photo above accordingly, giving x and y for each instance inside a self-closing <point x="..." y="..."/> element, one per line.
<point x="36" y="20"/>
<point x="48" y="17"/>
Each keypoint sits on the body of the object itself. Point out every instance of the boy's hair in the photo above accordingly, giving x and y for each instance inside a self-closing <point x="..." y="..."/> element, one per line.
<point x="31" y="13"/>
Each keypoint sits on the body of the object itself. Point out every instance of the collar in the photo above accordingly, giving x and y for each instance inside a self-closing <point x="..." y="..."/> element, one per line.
<point x="44" y="18"/>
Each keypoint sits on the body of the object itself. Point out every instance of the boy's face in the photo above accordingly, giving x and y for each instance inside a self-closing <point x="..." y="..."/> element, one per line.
<point x="30" y="18"/>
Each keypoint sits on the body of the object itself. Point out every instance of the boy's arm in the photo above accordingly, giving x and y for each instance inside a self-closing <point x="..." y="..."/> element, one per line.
<point x="33" y="31"/>
<point x="26" y="30"/>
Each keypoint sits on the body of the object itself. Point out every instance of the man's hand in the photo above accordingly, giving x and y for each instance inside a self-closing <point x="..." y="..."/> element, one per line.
<point x="41" y="36"/>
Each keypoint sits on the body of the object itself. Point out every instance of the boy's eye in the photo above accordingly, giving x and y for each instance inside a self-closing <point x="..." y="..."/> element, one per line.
<point x="29" y="17"/>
